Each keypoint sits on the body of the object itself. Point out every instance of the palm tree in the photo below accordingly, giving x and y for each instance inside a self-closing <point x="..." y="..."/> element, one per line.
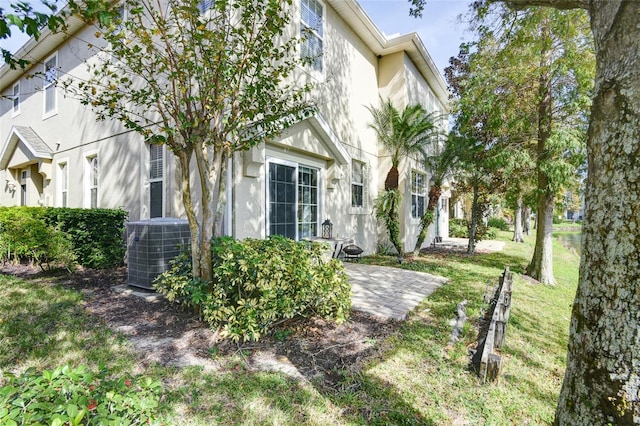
<point x="403" y="133"/>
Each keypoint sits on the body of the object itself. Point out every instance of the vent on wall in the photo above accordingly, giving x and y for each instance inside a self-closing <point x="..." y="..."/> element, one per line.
<point x="151" y="244"/>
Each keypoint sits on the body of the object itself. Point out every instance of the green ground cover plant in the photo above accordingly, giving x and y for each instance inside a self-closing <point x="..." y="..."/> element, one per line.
<point x="416" y="377"/>
<point x="76" y="396"/>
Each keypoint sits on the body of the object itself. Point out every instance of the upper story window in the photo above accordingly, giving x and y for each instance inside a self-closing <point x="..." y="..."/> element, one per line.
<point x="418" y="181"/>
<point x="15" y="95"/>
<point x="312" y="32"/>
<point x="357" y="183"/>
<point x="206" y="5"/>
<point x="50" y="78"/>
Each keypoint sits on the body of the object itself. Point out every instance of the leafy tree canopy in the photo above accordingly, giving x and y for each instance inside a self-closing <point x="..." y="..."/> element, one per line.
<point x="25" y="18"/>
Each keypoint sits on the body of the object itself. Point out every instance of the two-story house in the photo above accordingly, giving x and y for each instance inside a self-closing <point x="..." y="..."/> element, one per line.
<point x="53" y="152"/>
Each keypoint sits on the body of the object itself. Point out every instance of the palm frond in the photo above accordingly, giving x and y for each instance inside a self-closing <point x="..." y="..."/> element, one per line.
<point x="403" y="133"/>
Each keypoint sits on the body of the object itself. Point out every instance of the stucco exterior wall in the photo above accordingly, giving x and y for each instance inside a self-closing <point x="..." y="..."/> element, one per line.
<point x="346" y="87"/>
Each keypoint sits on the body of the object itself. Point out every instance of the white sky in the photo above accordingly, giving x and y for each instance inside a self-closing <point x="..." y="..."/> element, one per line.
<point x="438" y="28"/>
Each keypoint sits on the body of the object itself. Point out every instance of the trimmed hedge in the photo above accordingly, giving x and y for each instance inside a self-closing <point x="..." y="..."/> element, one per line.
<point x="258" y="283"/>
<point x="97" y="235"/>
<point x="64" y="236"/>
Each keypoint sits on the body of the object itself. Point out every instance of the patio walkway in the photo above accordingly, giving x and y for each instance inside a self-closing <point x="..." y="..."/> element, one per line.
<point x="393" y="292"/>
<point x="389" y="292"/>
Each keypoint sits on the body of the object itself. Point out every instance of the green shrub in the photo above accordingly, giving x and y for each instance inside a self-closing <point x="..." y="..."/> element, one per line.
<point x="67" y="396"/>
<point x="25" y="236"/>
<point x="92" y="237"/>
<point x="489" y="233"/>
<point x="459" y="228"/>
<point x="498" y="223"/>
<point x="97" y="234"/>
<point x="257" y="283"/>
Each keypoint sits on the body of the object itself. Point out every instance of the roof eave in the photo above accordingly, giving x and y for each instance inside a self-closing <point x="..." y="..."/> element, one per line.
<point x="411" y="43"/>
<point x="35" y="51"/>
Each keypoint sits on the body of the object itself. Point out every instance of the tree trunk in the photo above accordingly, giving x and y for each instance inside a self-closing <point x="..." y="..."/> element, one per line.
<point x="184" y="160"/>
<point x="429" y="216"/>
<point x="394" y="224"/>
<point x="393" y="176"/>
<point x="541" y="266"/>
<point x="475" y="216"/>
<point x="517" y="223"/>
<point x="526" y="220"/>
<point x="210" y="162"/>
<point x="602" y="380"/>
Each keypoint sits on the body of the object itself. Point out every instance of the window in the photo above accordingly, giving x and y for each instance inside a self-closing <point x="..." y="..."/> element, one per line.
<point x="311" y="31"/>
<point x="417" y="194"/>
<point x="307" y="202"/>
<point x="64" y="184"/>
<point x="93" y="181"/>
<point x="293" y="200"/>
<point x="357" y="183"/>
<point x="50" y="77"/>
<point x="24" y="175"/>
<point x="205" y="5"/>
<point x="156" y="177"/>
<point x="16" y="98"/>
<point x="119" y="20"/>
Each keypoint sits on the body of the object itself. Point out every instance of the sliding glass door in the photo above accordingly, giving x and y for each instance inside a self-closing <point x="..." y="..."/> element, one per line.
<point x="292" y="197"/>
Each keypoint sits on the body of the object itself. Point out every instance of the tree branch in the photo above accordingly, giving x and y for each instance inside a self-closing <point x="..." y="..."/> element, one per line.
<point x="558" y="4"/>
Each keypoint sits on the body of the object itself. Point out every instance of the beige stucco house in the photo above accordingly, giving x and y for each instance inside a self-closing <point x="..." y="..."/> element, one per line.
<point x="54" y="153"/>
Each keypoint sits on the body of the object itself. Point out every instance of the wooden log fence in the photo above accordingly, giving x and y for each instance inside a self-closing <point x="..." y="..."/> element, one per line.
<point x="493" y="327"/>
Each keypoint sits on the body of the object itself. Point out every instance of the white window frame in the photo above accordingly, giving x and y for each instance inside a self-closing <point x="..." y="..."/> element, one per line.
<point x="317" y="33"/>
<point x="15" y="96"/>
<point x="25" y="175"/>
<point x="157" y="179"/>
<point x="48" y="85"/>
<point x="362" y="184"/>
<point x="62" y="185"/>
<point x="418" y="191"/>
<point x="90" y="184"/>
<point x="320" y="186"/>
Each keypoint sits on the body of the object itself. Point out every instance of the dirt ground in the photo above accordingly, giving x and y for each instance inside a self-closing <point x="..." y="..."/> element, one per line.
<point x="310" y="349"/>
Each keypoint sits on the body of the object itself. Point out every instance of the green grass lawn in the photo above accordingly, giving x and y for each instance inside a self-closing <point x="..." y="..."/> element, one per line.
<point x="416" y="378"/>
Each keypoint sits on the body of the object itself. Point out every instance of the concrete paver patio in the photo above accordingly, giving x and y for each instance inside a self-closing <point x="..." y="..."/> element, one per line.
<point x="393" y="292"/>
<point x="389" y="292"/>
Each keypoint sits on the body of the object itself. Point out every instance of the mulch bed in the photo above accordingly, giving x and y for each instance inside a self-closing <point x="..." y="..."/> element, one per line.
<point x="163" y="333"/>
